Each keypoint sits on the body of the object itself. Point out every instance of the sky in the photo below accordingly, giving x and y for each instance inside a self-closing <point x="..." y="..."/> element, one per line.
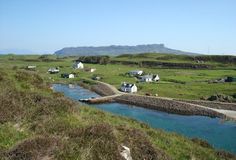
<point x="44" y="26"/>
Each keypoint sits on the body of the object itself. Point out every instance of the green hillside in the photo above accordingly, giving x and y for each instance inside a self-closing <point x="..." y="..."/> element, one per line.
<point x="36" y="123"/>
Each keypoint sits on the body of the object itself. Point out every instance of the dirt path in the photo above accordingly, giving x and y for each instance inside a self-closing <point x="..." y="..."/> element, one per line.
<point x="228" y="113"/>
<point x="103" y="99"/>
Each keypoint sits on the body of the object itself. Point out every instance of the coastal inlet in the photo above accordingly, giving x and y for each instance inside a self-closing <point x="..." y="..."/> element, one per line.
<point x="219" y="134"/>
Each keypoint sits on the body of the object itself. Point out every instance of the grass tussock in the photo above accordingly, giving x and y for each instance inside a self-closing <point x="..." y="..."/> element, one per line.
<point x="36" y="148"/>
<point x="11" y="105"/>
<point x="30" y="78"/>
<point x="92" y="142"/>
<point x="201" y="142"/>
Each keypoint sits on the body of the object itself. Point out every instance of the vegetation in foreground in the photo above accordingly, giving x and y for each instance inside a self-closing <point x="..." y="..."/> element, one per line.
<point x="36" y="123"/>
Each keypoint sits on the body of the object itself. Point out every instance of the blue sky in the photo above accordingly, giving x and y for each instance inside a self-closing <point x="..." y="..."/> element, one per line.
<point x="48" y="25"/>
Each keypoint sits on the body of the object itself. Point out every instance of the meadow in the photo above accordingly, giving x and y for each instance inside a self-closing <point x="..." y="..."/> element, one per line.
<point x="174" y="83"/>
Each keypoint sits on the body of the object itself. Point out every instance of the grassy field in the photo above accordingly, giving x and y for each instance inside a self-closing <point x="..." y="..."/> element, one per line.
<point x="36" y="123"/>
<point x="174" y="83"/>
<point x="215" y="61"/>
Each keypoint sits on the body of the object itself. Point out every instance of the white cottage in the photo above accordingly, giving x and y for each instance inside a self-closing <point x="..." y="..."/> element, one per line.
<point x="128" y="87"/>
<point x="78" y="65"/>
<point x="66" y="75"/>
<point x="90" y="69"/>
<point x="53" y="70"/>
<point x="31" y="67"/>
<point x="146" y="78"/>
<point x="155" y="78"/>
<point x="71" y="75"/>
<point x="149" y="78"/>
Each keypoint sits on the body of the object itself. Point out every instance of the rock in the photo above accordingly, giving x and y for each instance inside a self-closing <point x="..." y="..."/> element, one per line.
<point x="126" y="153"/>
<point x="220" y="98"/>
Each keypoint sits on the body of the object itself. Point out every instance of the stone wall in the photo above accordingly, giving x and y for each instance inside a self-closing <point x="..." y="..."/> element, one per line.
<point x="167" y="105"/>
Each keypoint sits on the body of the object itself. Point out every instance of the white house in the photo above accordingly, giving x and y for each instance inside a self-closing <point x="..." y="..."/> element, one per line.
<point x="71" y="75"/>
<point x="146" y="78"/>
<point x="96" y="78"/>
<point x="78" y="65"/>
<point x="136" y="73"/>
<point x="90" y="69"/>
<point x="128" y="87"/>
<point x="31" y="67"/>
<point x="66" y="75"/>
<point x="53" y="70"/>
<point x="150" y="78"/>
<point x="155" y="78"/>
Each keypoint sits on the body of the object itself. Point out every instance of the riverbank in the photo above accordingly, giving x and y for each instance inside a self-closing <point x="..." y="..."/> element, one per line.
<point x="183" y="107"/>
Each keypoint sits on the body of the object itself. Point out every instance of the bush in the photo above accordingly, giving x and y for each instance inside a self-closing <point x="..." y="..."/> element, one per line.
<point x="221" y="98"/>
<point x="14" y="68"/>
<point x="215" y="58"/>
<point x="35" y="148"/>
<point x="11" y="106"/>
<point x="140" y="146"/>
<point x="92" y="142"/>
<point x="94" y="59"/>
<point x="225" y="155"/>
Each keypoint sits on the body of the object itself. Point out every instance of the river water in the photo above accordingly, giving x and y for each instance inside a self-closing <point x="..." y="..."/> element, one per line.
<point x="219" y="134"/>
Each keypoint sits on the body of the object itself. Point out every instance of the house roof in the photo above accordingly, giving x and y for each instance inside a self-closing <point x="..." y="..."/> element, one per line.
<point x="127" y="85"/>
<point x="31" y="66"/>
<point x="148" y="76"/>
<point x="53" y="69"/>
<point x="155" y="76"/>
<point x="78" y="62"/>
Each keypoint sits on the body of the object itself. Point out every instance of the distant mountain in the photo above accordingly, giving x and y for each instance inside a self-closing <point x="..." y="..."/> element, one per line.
<point x="118" y="50"/>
